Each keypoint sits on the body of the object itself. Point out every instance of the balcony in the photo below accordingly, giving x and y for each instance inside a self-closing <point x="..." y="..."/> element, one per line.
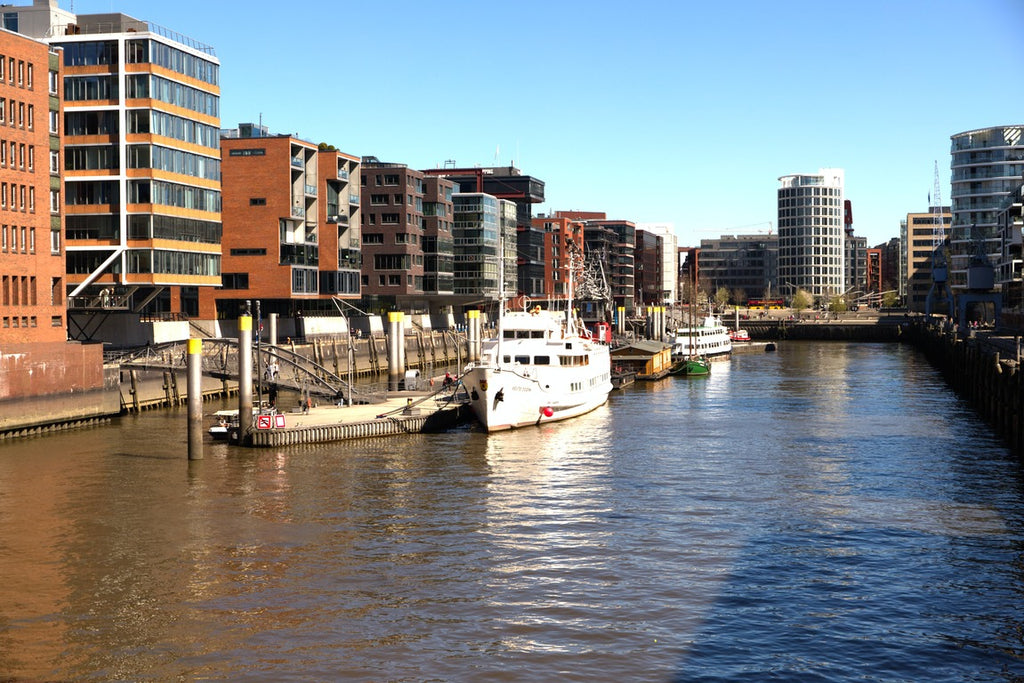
<point x="353" y="199"/>
<point x="298" y="212"/>
<point x="310" y="190"/>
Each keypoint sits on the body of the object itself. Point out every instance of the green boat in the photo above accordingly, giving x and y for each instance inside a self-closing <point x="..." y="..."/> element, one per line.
<point x="691" y="367"/>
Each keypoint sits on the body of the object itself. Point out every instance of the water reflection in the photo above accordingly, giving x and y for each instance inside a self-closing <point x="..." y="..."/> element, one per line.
<point x="823" y="510"/>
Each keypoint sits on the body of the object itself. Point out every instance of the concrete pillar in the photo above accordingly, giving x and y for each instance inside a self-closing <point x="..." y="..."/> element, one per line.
<point x="473" y="334"/>
<point x="620" y="320"/>
<point x="272" y="329"/>
<point x="194" y="387"/>
<point x="244" y="376"/>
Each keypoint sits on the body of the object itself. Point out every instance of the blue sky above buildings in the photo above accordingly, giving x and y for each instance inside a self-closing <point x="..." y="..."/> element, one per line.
<point x="677" y="112"/>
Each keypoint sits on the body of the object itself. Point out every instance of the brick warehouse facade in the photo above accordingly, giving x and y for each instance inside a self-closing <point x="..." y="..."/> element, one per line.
<point x="44" y="379"/>
<point x="291" y="225"/>
<point x="31" y="244"/>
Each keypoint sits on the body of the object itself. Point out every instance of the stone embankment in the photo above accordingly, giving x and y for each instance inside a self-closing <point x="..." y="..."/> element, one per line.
<point x="984" y="367"/>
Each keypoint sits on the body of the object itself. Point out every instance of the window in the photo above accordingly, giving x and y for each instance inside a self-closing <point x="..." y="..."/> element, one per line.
<point x="55" y="241"/>
<point x="11" y="22"/>
<point x="257" y="201"/>
<point x="32" y="240"/>
<point x="54" y="201"/>
<point x="54" y="122"/>
<point x="53" y="80"/>
<point x="31" y="117"/>
<point x="54" y="162"/>
<point x="29" y="76"/>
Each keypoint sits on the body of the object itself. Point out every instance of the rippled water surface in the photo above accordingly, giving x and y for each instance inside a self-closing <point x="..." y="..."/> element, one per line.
<point x="829" y="512"/>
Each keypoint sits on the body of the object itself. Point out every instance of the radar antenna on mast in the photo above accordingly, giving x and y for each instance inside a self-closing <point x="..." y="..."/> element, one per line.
<point x="939" y="291"/>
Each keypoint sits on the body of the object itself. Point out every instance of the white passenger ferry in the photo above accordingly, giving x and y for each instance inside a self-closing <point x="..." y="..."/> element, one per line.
<point x="709" y="339"/>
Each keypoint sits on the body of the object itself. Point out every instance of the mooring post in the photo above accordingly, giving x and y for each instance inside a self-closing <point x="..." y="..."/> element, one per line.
<point x="473" y="334"/>
<point x="194" y="387"/>
<point x="396" y="366"/>
<point x="244" y="376"/>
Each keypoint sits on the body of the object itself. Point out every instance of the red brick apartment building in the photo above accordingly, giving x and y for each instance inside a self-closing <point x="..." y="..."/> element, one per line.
<point x="408" y="243"/>
<point x="558" y="231"/>
<point x="43" y="377"/>
<point x="291" y="226"/>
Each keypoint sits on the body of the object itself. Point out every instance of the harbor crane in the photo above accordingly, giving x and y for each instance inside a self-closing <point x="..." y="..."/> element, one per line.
<point x="939" y="291"/>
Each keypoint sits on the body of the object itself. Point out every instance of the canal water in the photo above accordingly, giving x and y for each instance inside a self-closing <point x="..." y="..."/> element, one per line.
<point x="829" y="512"/>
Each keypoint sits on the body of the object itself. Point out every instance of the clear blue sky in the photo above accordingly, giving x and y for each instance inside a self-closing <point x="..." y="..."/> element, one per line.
<point x="682" y="112"/>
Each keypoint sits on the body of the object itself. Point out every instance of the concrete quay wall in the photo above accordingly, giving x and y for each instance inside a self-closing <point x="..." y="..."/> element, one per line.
<point x="983" y="370"/>
<point x="49" y="386"/>
<point x="872" y="330"/>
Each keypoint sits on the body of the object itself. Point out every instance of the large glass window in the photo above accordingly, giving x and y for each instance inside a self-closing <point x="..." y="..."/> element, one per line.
<point x="90" y="54"/>
<point x="168" y="125"/>
<point x="150" y="51"/>
<point x="78" y="88"/>
<point x="90" y="122"/>
<point x="171" y="92"/>
<point x="90" y="158"/>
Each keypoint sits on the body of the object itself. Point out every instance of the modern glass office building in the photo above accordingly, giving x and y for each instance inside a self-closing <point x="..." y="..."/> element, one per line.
<point x="141" y="163"/>
<point x="987" y="166"/>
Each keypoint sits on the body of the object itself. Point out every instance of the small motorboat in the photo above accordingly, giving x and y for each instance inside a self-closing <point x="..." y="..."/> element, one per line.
<point x="739" y="336"/>
<point x="223" y="421"/>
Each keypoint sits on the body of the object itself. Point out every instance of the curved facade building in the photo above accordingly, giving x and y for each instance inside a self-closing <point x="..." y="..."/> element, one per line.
<point x="811" y="233"/>
<point x="987" y="165"/>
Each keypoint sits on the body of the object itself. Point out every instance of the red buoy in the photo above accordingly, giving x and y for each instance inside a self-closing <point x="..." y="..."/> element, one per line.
<point x="547" y="411"/>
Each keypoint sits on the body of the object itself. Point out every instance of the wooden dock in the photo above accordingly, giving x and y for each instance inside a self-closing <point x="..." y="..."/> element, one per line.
<point x="403" y="412"/>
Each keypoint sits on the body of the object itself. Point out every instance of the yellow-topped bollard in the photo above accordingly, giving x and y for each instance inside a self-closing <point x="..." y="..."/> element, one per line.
<point x="194" y="387"/>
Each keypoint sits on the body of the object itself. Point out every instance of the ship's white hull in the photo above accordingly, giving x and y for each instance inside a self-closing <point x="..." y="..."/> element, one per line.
<point x="508" y="398"/>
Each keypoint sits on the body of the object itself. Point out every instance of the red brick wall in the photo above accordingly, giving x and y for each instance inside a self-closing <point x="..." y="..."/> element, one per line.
<point x="32" y="280"/>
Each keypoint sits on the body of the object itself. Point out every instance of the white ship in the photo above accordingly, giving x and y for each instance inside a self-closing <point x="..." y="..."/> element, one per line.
<point x="540" y="368"/>
<point x="708" y="339"/>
